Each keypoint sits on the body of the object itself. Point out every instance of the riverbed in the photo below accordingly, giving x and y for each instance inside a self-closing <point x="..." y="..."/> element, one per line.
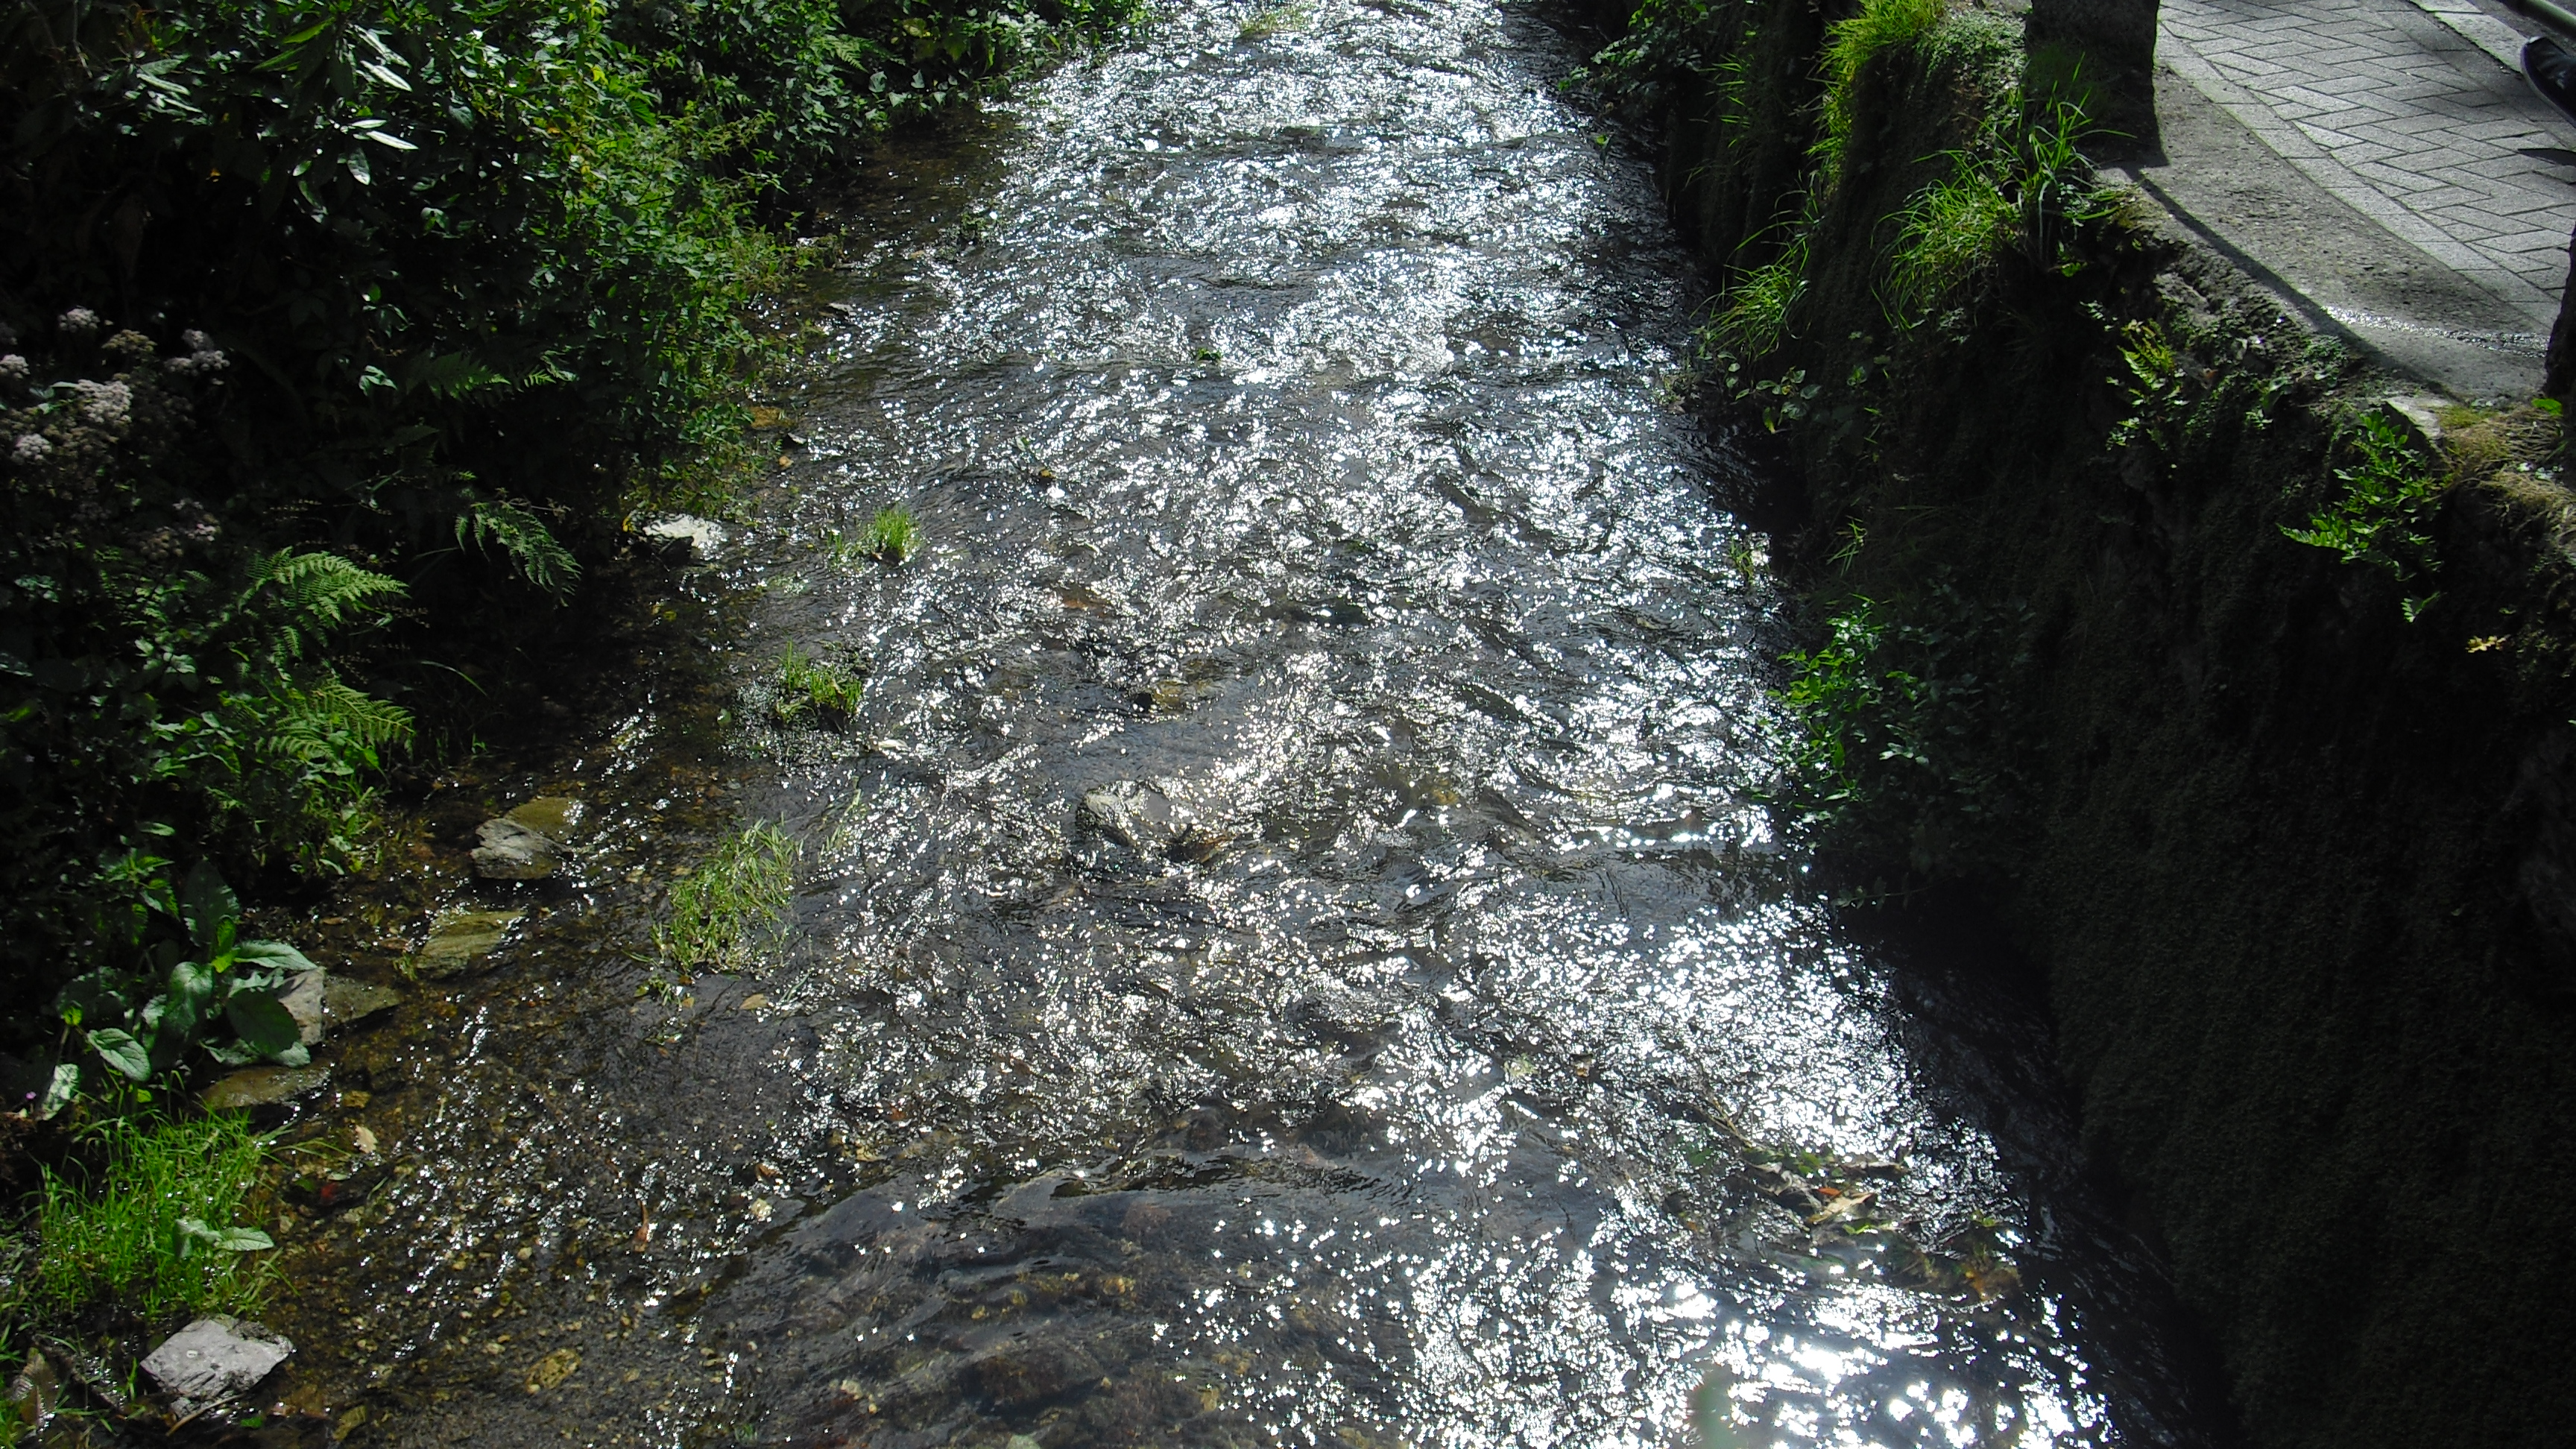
<point x="1289" y="949"/>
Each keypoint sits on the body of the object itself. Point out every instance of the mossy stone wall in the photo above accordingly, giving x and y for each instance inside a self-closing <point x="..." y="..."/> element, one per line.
<point x="2297" y="870"/>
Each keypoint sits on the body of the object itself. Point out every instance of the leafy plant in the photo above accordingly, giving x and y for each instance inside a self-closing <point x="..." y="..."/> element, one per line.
<point x="2389" y="497"/>
<point x="191" y="978"/>
<point x="1899" y="735"/>
<point x="745" y="883"/>
<point x="156" y="1228"/>
<point x="818" y="688"/>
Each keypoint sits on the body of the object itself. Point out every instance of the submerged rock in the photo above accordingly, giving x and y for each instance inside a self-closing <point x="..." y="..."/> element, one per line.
<point x="34" y="1391"/>
<point x="345" y="1001"/>
<point x="528" y="843"/>
<point x="507" y="850"/>
<point x="459" y="942"/>
<point x="1147" y="822"/>
<point x="216" y="1358"/>
<point x="263" y="1086"/>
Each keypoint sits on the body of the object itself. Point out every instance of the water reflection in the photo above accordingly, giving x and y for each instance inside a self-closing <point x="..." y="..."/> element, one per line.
<point x="1288" y="953"/>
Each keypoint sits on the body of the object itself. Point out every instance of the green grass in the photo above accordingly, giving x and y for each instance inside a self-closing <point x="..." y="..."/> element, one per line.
<point x="157" y="1229"/>
<point x="1270" y="20"/>
<point x="891" y="537"/>
<point x="744" y="884"/>
<point x="1850" y="44"/>
<point x="1952" y="230"/>
<point x="815" y="688"/>
<point x="1755" y="320"/>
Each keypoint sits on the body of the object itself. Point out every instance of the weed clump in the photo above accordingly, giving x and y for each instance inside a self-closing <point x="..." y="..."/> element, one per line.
<point x="2380" y="517"/>
<point x="156" y="1230"/>
<point x="745" y="884"/>
<point x="892" y="536"/>
<point x="814" y="689"/>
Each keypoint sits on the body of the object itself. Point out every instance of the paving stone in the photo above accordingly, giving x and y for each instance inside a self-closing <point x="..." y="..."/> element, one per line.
<point x="2407" y="109"/>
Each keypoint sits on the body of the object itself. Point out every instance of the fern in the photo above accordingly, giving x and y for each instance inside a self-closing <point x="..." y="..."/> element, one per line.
<point x="331" y="725"/>
<point x="518" y="534"/>
<point x="320" y="592"/>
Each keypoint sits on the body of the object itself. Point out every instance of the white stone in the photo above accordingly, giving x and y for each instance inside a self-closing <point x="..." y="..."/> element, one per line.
<point x="215" y="1358"/>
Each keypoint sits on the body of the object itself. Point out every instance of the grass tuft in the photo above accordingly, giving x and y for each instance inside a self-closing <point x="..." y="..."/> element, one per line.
<point x="1272" y="19"/>
<point x="745" y="884"/>
<point x="1951" y="231"/>
<point x="156" y="1230"/>
<point x="892" y="536"/>
<point x="815" y="688"/>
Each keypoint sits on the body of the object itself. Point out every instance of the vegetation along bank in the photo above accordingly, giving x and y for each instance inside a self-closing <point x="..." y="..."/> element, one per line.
<point x="340" y="343"/>
<point x="2138" y="620"/>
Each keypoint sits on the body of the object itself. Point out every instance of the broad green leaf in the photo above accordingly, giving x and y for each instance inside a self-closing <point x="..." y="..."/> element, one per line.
<point x="265" y="1025"/>
<point x="59" y="1091"/>
<point x="273" y="954"/>
<point x="208" y="907"/>
<point x="121" y="1051"/>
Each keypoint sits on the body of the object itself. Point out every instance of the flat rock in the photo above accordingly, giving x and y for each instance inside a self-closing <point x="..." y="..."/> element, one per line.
<point x="556" y="817"/>
<point x="529" y="842"/>
<point x="507" y="850"/>
<point x="303" y="997"/>
<point x="262" y="1086"/>
<point x="345" y="1001"/>
<point x="216" y="1358"/>
<point x="460" y="940"/>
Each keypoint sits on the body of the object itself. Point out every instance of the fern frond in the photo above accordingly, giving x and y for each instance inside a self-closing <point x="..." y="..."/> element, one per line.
<point x="523" y="539"/>
<point x="330" y="724"/>
<point x="323" y="590"/>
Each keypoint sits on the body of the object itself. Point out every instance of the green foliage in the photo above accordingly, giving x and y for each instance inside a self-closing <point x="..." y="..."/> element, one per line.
<point x="2388" y="500"/>
<point x="1950" y="232"/>
<point x="523" y="540"/>
<point x="1667" y="46"/>
<point x="418" y="294"/>
<point x="816" y="689"/>
<point x="1273" y="18"/>
<point x="1900" y="748"/>
<point x="156" y="1226"/>
<point x="1754" y="318"/>
<point x="176" y="974"/>
<point x="744" y="884"/>
<point x="892" y="536"/>
<point x="2024" y="186"/>
<point x="1852" y="43"/>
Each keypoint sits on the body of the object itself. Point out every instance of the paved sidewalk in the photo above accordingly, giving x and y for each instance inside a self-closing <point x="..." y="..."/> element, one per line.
<point x="2403" y="118"/>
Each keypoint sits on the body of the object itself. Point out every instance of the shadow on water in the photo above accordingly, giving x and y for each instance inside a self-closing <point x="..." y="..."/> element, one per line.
<point x="1286" y="949"/>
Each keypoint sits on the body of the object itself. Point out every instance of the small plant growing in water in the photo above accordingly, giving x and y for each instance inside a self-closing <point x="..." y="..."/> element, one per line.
<point x="892" y="536"/>
<point x="815" y="689"/>
<point x="156" y="1227"/>
<point x="744" y="884"/>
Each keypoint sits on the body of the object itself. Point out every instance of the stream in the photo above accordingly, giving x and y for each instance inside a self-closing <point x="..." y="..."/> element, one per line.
<point x="1287" y="951"/>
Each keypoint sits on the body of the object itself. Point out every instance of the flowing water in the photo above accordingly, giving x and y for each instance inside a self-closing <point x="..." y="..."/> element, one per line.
<point x="1286" y="952"/>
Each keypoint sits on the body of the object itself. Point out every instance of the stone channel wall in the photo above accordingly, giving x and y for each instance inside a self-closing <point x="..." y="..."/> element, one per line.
<point x="2298" y="869"/>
